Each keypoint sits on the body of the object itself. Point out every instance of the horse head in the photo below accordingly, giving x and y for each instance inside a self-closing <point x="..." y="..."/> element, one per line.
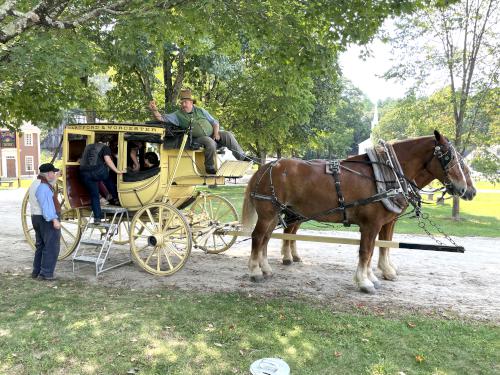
<point x="450" y="169"/>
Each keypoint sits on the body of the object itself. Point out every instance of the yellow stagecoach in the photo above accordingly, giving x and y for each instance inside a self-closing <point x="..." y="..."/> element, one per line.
<point x="162" y="214"/>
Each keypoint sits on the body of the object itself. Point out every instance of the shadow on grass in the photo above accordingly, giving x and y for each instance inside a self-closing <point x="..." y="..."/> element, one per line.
<point x="69" y="327"/>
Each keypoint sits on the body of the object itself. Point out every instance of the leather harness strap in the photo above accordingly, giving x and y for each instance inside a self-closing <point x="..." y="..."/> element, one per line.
<point x="335" y="168"/>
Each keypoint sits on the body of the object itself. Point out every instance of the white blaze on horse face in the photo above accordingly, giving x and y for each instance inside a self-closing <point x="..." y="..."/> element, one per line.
<point x="463" y="185"/>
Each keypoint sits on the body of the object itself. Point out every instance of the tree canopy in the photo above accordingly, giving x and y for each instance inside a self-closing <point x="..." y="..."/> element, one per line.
<point x="260" y="66"/>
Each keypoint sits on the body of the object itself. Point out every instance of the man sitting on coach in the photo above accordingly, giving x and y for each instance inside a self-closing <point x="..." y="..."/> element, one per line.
<point x="205" y="129"/>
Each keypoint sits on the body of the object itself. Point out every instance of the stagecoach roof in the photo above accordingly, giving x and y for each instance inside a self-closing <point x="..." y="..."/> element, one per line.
<point x="143" y="127"/>
<point x="147" y="124"/>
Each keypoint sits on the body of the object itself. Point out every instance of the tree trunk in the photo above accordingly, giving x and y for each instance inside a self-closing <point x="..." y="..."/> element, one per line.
<point x="262" y="157"/>
<point x="278" y="152"/>
<point x="167" y="77"/>
<point x="455" y="213"/>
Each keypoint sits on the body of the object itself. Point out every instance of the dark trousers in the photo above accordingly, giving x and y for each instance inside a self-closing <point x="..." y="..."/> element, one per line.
<point x="227" y="139"/>
<point x="91" y="181"/>
<point x="47" y="246"/>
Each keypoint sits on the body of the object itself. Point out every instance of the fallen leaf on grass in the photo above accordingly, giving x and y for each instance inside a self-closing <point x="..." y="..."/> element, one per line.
<point x="337" y="354"/>
<point x="411" y="325"/>
<point x="218" y="344"/>
<point x="419" y="358"/>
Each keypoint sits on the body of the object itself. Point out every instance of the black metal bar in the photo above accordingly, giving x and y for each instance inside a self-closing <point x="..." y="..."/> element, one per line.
<point x="417" y="246"/>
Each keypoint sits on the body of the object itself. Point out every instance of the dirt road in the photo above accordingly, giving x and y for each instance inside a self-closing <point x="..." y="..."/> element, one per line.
<point x="446" y="283"/>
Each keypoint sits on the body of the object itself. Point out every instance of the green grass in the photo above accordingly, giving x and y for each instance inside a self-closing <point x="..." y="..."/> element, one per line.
<point x="480" y="217"/>
<point x="71" y="328"/>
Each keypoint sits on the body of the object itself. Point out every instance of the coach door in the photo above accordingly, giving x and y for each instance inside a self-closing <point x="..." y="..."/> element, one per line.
<point x="74" y="143"/>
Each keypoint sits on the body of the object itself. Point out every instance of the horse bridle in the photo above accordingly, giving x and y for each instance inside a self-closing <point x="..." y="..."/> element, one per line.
<point x="445" y="159"/>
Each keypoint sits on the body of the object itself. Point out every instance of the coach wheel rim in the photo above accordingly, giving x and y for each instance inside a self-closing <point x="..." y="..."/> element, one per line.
<point x="71" y="222"/>
<point x="160" y="239"/>
<point x="208" y="214"/>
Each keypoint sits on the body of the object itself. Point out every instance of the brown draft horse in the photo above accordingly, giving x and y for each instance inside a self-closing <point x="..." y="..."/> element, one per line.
<point x="305" y="187"/>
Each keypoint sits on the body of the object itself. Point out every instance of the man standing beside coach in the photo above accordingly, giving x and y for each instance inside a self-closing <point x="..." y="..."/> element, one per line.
<point x="45" y="216"/>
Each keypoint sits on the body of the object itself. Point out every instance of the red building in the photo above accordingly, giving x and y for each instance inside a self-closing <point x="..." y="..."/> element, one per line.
<point x="19" y="153"/>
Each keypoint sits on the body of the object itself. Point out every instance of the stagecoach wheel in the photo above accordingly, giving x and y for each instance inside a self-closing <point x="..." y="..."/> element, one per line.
<point x="160" y="239"/>
<point x="207" y="215"/>
<point x="71" y="223"/>
<point x="122" y="237"/>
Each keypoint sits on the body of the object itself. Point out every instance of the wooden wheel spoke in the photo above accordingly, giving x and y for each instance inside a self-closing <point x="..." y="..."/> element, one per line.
<point x="144" y="226"/>
<point x="160" y="219"/>
<point x="179" y="241"/>
<point x="140" y="236"/>
<point x="174" y="230"/>
<point x="222" y="215"/>
<point x="158" y="261"/>
<point x="174" y="251"/>
<point x="221" y="238"/>
<point x="168" y="259"/>
<point x="149" y="257"/>
<point x="66" y="230"/>
<point x="64" y="241"/>
<point x="211" y="213"/>
<point x="205" y="241"/>
<point x="218" y="207"/>
<point x="170" y="219"/>
<point x="151" y="218"/>
<point x="142" y="248"/>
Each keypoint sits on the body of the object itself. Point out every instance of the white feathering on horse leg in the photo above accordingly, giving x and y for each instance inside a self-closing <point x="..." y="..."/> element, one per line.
<point x="384" y="264"/>
<point x="266" y="268"/>
<point x="373" y="279"/>
<point x="255" y="271"/>
<point x="362" y="280"/>
<point x="295" y="255"/>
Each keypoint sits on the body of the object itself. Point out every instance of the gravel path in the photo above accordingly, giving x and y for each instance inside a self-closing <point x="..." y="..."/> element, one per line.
<point x="447" y="283"/>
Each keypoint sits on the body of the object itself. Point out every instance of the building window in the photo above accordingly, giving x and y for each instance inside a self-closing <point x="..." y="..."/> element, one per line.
<point x="28" y="139"/>
<point x="29" y="164"/>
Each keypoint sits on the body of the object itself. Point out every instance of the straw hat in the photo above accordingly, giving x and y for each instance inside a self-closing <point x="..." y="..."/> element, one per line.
<point x="186" y="95"/>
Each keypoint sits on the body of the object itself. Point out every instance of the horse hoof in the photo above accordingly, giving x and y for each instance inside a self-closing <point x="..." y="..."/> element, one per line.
<point x="257" y="278"/>
<point x="377" y="284"/>
<point x="287" y="262"/>
<point x="268" y="275"/>
<point x="368" y="289"/>
<point x="390" y="277"/>
<point x="297" y="259"/>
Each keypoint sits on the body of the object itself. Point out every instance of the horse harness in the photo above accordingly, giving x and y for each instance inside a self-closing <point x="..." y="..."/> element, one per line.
<point x="288" y="216"/>
<point x="445" y="159"/>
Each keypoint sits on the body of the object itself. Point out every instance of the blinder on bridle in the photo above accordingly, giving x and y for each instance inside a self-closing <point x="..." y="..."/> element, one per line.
<point x="445" y="159"/>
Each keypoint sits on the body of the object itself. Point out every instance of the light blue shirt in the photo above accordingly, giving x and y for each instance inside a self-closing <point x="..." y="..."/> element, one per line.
<point x="172" y="118"/>
<point x="44" y="196"/>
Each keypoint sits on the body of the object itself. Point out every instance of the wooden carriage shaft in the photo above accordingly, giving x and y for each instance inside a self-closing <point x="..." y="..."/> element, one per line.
<point x="351" y="241"/>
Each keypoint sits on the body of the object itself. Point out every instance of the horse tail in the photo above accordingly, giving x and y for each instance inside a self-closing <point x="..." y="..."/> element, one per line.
<point x="249" y="214"/>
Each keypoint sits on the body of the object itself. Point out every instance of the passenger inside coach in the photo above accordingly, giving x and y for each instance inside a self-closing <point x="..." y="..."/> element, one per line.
<point x="151" y="160"/>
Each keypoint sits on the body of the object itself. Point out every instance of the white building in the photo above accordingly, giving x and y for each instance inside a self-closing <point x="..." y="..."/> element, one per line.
<point x="368" y="142"/>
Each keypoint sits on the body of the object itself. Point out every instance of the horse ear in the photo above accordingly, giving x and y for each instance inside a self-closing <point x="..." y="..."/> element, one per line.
<point x="438" y="136"/>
